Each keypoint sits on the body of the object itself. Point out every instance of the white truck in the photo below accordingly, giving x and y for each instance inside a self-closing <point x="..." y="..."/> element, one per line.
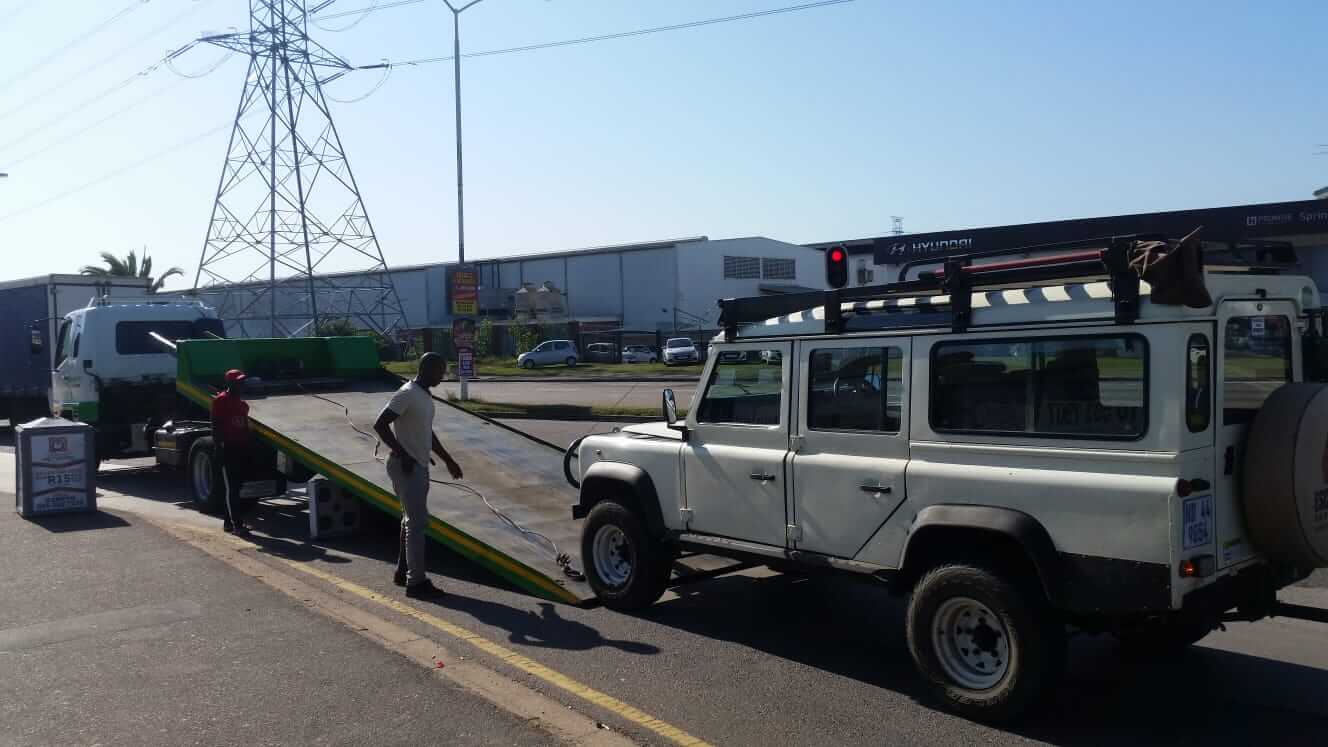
<point x="110" y="373"/>
<point x="1017" y="446"/>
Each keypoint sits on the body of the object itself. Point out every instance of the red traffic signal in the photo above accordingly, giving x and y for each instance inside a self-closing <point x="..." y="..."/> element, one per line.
<point x="836" y="267"/>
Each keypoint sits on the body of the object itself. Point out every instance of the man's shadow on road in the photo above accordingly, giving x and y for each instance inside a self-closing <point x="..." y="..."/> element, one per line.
<point x="545" y="629"/>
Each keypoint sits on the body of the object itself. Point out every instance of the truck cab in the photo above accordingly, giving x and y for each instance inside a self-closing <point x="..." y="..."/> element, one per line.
<point x="109" y="373"/>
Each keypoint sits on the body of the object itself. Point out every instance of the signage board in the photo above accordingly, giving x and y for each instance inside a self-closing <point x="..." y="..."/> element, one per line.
<point x="466" y="363"/>
<point x="463" y="290"/>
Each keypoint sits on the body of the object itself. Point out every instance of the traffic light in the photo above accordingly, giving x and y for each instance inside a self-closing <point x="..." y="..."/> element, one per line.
<point x="836" y="267"/>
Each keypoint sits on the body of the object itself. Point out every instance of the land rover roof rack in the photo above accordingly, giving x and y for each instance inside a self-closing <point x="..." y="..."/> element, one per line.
<point x="958" y="276"/>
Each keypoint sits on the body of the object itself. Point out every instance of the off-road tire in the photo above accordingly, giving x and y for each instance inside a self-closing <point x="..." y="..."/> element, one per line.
<point x="1036" y="641"/>
<point x="215" y="498"/>
<point x="651" y="560"/>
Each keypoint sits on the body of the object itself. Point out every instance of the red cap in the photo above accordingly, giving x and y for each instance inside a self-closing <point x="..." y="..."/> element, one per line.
<point x="234" y="376"/>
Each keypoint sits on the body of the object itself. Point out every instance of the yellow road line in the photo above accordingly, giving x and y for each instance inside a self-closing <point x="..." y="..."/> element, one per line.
<point x="527" y="665"/>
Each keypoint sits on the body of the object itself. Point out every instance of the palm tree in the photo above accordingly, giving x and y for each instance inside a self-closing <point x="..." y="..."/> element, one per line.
<point x="130" y="268"/>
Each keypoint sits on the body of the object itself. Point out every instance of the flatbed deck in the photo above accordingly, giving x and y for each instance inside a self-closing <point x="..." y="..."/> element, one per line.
<point x="519" y="475"/>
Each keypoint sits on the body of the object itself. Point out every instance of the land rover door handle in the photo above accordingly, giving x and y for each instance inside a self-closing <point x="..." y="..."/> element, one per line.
<point x="762" y="476"/>
<point x="876" y="488"/>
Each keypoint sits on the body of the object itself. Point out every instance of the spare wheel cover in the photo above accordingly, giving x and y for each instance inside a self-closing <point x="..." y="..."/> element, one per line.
<point x="1285" y="481"/>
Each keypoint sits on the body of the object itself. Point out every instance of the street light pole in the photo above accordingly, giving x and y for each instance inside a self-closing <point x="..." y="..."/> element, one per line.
<point x="461" y="194"/>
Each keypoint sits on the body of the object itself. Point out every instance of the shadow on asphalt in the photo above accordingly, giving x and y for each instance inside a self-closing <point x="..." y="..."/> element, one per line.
<point x="78" y="522"/>
<point x="855" y="630"/>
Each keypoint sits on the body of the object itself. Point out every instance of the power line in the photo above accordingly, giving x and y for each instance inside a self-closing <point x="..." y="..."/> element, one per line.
<point x="194" y="7"/>
<point x="98" y="28"/>
<point x="98" y="97"/>
<point x="366" y="11"/>
<point x="625" y="34"/>
<point x="16" y="10"/>
<point x="117" y="172"/>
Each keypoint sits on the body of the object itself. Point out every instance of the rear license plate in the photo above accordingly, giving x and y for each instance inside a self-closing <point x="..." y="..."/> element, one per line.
<point x="1197" y="521"/>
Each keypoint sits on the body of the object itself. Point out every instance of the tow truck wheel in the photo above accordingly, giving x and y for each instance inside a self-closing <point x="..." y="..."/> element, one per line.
<point x="625" y="566"/>
<point x="205" y="484"/>
<point x="988" y="648"/>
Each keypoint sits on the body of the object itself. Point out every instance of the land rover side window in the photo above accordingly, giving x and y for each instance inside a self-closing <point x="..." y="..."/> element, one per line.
<point x="1074" y="387"/>
<point x="746" y="387"/>
<point x="1257" y="361"/>
<point x="62" y="343"/>
<point x="855" y="389"/>
<point x="1198" y="386"/>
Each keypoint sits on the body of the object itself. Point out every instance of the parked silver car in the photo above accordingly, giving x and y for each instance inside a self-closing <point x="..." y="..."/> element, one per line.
<point x="549" y="353"/>
<point x="639" y="354"/>
<point x="680" y="350"/>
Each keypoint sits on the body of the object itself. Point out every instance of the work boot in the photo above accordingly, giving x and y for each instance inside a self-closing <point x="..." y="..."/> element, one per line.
<point x="399" y="578"/>
<point x="423" y="590"/>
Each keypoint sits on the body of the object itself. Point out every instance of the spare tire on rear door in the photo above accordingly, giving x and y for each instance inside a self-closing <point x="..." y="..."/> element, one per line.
<point x="1285" y="480"/>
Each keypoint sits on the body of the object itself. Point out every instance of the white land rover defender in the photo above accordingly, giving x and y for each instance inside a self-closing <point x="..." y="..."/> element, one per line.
<point x="1118" y="439"/>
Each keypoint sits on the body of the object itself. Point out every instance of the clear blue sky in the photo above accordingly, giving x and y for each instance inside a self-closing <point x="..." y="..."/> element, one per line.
<point x="807" y="126"/>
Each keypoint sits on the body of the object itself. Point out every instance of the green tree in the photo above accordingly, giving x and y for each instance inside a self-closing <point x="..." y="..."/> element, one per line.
<point x="129" y="267"/>
<point x="484" y="338"/>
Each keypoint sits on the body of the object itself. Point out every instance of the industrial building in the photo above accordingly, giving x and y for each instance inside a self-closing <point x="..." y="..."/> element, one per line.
<point x="1303" y="224"/>
<point x="657" y="286"/>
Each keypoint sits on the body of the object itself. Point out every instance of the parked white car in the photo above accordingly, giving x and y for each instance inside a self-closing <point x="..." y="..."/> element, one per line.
<point x="1013" y="459"/>
<point x="549" y="353"/>
<point x="639" y="354"/>
<point x="680" y="350"/>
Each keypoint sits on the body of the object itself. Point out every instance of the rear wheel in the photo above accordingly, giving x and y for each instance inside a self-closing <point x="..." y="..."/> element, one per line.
<point x="205" y="483"/>
<point x="988" y="648"/>
<point x="571" y="362"/>
<point x="625" y="566"/>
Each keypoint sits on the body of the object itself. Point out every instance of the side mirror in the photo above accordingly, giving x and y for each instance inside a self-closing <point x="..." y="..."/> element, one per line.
<point x="670" y="407"/>
<point x="36" y="343"/>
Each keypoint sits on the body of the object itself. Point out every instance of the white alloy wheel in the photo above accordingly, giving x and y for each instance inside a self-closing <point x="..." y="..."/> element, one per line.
<point x="971" y="643"/>
<point x="613" y="556"/>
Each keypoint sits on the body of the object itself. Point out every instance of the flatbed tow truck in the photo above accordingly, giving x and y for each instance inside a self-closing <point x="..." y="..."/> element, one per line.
<point x="314" y="402"/>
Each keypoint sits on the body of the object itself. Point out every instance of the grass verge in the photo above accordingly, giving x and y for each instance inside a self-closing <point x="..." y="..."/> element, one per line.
<point x="554" y="412"/>
<point x="501" y="367"/>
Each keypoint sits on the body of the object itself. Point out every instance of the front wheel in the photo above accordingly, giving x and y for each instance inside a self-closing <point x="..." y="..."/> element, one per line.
<point x="528" y="364"/>
<point x="205" y="482"/>
<point x="988" y="648"/>
<point x="625" y="566"/>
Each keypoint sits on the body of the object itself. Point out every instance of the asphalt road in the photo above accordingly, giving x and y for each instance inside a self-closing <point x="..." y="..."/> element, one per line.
<point x="760" y="658"/>
<point x="112" y="632"/>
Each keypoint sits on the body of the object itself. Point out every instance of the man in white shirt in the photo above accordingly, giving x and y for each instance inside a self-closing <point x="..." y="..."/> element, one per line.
<point x="406" y="426"/>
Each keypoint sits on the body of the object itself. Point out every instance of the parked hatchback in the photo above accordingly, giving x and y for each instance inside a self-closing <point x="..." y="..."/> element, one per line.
<point x="549" y="353"/>
<point x="680" y="350"/>
<point x="639" y="354"/>
<point x="602" y="352"/>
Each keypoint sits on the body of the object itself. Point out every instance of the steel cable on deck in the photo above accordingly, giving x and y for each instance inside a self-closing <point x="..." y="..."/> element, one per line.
<point x="563" y="560"/>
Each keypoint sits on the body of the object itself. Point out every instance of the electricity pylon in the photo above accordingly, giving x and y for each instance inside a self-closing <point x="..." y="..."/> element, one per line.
<point x="290" y="243"/>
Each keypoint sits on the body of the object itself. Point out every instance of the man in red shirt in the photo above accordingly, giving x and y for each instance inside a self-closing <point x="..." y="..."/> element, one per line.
<point x="230" y="433"/>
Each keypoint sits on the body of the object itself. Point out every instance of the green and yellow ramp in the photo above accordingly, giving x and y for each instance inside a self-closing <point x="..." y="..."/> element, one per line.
<point x="317" y="404"/>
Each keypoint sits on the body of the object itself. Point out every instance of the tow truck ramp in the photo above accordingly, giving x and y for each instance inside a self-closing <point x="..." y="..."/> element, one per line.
<point x="317" y="402"/>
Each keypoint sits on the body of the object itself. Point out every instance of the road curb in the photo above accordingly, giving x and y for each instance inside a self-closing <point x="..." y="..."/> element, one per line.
<point x="538" y="710"/>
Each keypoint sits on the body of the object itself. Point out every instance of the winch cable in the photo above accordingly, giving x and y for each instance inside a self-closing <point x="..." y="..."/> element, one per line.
<point x="563" y="560"/>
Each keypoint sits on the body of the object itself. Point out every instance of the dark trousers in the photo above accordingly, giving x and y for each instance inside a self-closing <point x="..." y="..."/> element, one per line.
<point x="232" y="471"/>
